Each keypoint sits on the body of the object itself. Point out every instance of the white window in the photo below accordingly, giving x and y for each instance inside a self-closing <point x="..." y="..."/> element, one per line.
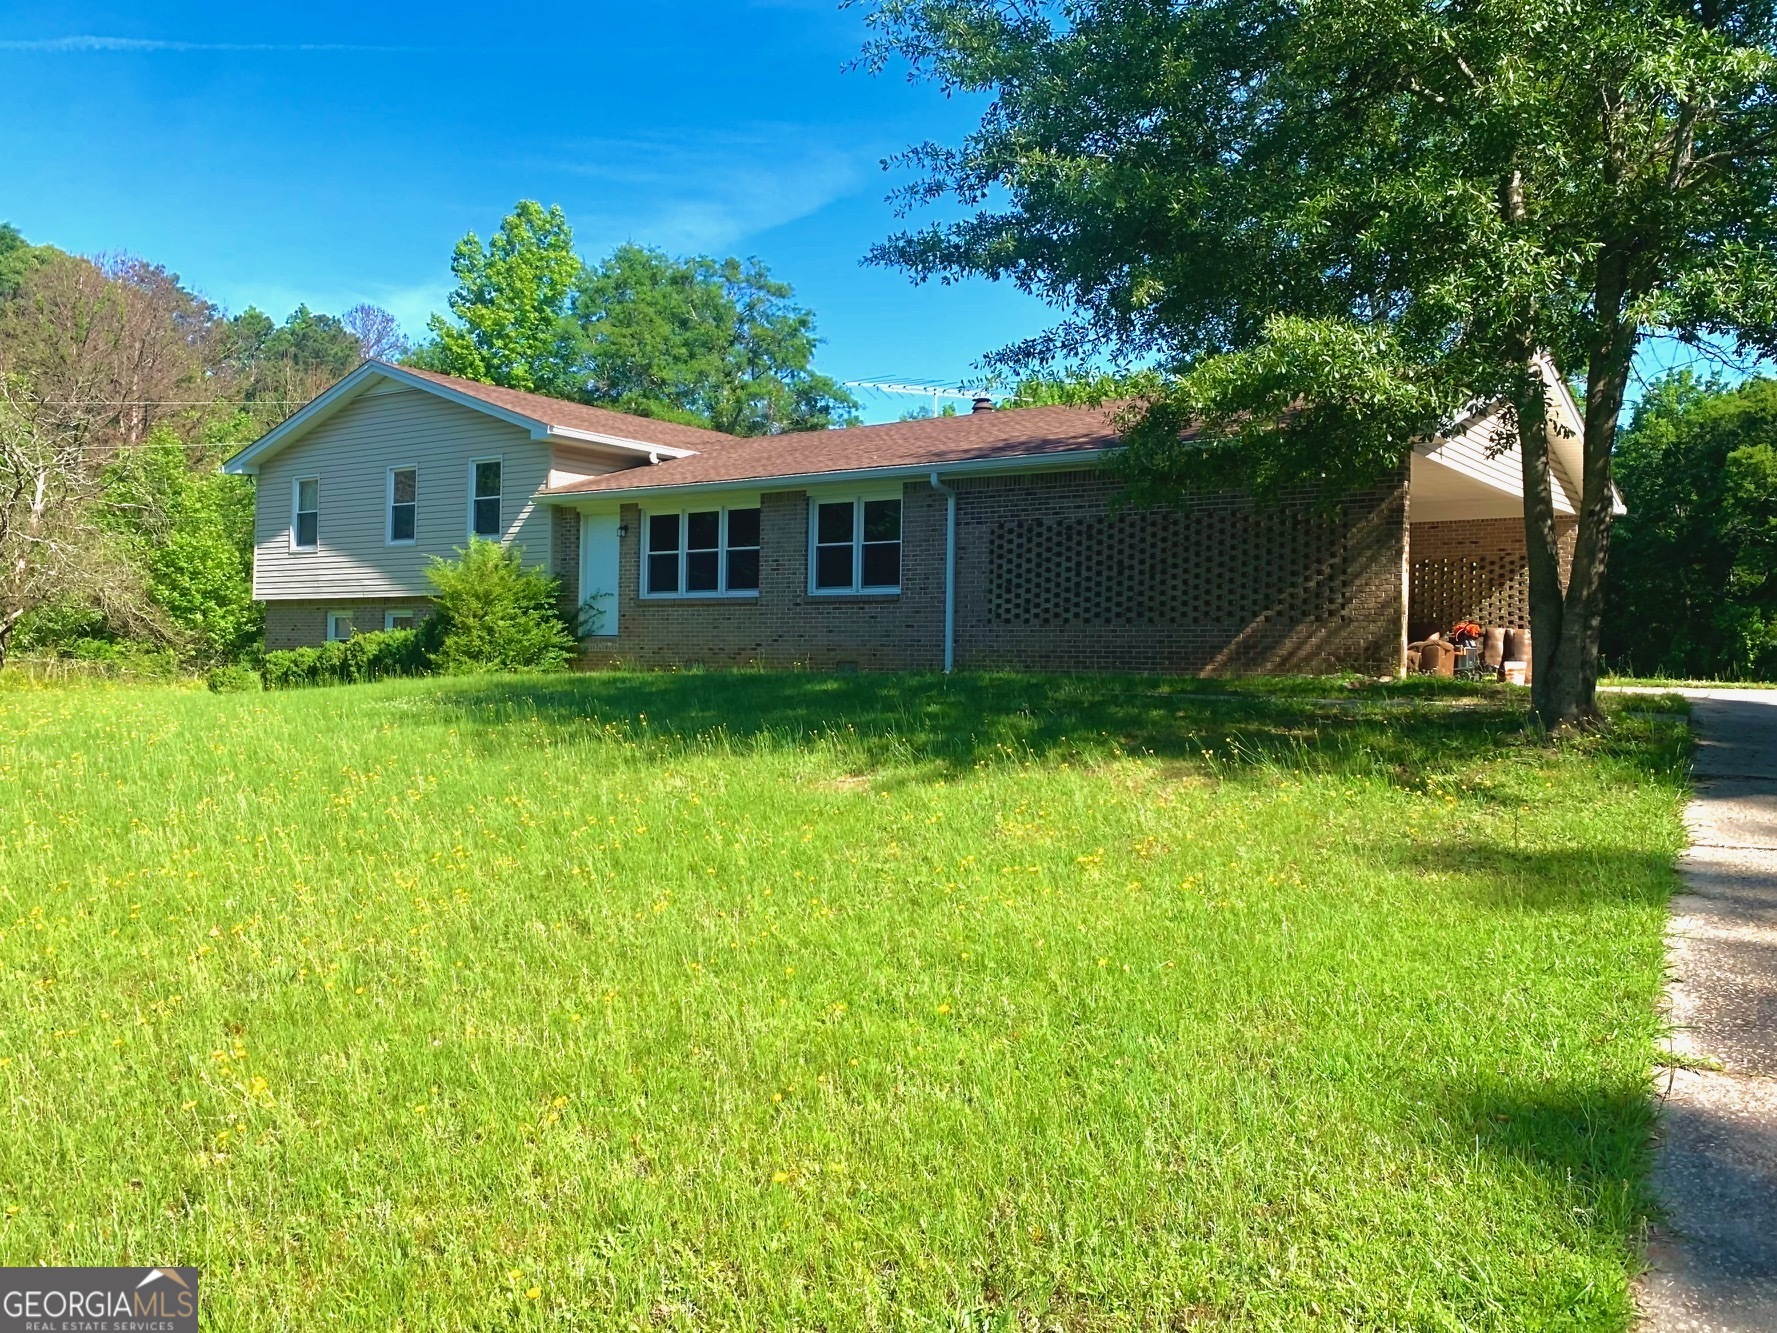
<point x="404" y="619"/>
<point x="404" y="500"/>
<point x="855" y="546"/>
<point x="339" y="626"/>
<point x="485" y="482"/>
<point x="701" y="553"/>
<point x="305" y="514"/>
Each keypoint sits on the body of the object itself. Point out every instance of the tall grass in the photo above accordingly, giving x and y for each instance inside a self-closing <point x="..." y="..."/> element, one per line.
<point x="766" y="1001"/>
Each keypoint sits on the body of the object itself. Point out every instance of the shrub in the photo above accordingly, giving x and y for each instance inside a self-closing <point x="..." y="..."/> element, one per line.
<point x="397" y="652"/>
<point x="232" y="679"/>
<point x="495" y="614"/>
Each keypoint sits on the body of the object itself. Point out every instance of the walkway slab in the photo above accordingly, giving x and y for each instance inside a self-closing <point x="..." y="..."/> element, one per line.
<point x="1713" y="1266"/>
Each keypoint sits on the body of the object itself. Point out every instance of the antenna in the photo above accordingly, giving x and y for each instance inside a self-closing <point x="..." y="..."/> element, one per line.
<point x="932" y="391"/>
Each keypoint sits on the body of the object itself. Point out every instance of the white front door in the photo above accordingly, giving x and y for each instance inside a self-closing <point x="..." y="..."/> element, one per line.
<point x="598" y="573"/>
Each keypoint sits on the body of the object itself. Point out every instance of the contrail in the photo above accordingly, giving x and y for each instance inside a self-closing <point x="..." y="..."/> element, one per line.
<point x="68" y="45"/>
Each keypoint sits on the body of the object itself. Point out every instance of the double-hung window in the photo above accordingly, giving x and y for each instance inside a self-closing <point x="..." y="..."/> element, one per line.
<point x="404" y="497"/>
<point x="857" y="546"/>
<point x="305" y="515"/>
<point x="701" y="553"/>
<point x="484" y="498"/>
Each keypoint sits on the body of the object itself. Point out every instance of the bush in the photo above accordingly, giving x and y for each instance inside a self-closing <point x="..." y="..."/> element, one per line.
<point x="495" y="614"/>
<point x="397" y="652"/>
<point x="232" y="680"/>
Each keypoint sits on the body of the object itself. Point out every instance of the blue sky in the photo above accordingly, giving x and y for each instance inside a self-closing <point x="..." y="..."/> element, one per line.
<point x="333" y="153"/>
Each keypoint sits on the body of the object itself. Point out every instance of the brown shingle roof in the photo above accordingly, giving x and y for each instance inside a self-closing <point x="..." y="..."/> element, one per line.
<point x="1029" y="432"/>
<point x="554" y="412"/>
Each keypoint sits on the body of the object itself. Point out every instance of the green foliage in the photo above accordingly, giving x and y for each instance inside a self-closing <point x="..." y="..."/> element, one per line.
<point x="494" y="613"/>
<point x="512" y="302"/>
<point x="1693" y="584"/>
<point x="1084" y="389"/>
<point x="700" y="341"/>
<point x="193" y="534"/>
<point x="708" y="342"/>
<point x="17" y="258"/>
<point x="232" y="678"/>
<point x="363" y="657"/>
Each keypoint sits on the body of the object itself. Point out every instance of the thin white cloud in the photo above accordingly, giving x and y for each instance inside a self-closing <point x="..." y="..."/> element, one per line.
<point x="702" y="191"/>
<point x="90" y="43"/>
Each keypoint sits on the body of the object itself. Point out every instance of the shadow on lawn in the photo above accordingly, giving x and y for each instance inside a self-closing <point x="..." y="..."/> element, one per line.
<point x="1592" y="1141"/>
<point x="950" y="724"/>
<point x="1543" y="879"/>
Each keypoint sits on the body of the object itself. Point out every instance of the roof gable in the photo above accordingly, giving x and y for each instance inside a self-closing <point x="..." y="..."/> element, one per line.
<point x="544" y="417"/>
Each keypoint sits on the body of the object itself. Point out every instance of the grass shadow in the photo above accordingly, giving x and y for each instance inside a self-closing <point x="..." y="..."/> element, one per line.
<point x="944" y="725"/>
<point x="1542" y="879"/>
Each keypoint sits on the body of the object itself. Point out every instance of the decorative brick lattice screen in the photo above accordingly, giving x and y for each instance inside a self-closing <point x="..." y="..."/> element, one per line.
<point x="1209" y="566"/>
<point x="1491" y="590"/>
<point x="1472" y="569"/>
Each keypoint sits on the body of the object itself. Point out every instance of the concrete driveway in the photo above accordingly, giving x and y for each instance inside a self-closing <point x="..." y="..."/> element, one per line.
<point x="1714" y="1267"/>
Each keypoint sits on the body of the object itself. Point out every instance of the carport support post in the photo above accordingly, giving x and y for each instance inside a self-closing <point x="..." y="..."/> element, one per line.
<point x="949" y="572"/>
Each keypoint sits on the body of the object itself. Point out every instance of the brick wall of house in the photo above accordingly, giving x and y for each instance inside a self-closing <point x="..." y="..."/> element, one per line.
<point x="564" y="553"/>
<point x="785" y="625"/>
<point x="304" y="624"/>
<point x="1049" y="578"/>
<point x="1473" y="569"/>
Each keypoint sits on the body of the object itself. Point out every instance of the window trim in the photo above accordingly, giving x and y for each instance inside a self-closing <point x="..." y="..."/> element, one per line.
<point x="499" y="535"/>
<point x="721" y="592"/>
<point x="351" y="626"/>
<point x="858" y="500"/>
<point x="389" y="614"/>
<point x="389" y="537"/>
<point x="296" y="548"/>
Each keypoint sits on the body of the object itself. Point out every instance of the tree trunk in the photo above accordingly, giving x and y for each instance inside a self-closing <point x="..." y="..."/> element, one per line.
<point x="1569" y="697"/>
<point x="1542" y="546"/>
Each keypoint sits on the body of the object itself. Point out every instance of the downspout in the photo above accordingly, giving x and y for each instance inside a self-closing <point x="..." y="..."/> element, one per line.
<point x="949" y="572"/>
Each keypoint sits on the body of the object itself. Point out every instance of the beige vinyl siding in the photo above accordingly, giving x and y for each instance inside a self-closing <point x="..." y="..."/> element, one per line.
<point x="571" y="465"/>
<point x="351" y="453"/>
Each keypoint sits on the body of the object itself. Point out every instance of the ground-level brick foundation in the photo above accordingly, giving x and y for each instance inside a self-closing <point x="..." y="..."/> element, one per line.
<point x="304" y="624"/>
<point x="1473" y="569"/>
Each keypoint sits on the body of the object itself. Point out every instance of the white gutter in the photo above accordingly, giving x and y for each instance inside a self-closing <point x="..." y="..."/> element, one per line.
<point x="949" y="571"/>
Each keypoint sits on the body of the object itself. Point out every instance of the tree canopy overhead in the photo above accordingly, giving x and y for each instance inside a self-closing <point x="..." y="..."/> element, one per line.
<point x="1370" y="212"/>
<point x="706" y="342"/>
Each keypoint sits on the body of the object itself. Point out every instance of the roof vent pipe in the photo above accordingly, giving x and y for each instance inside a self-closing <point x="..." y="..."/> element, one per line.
<point x="983" y="403"/>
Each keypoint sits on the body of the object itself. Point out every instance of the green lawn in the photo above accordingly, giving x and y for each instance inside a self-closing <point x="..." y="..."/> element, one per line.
<point x="791" y="1001"/>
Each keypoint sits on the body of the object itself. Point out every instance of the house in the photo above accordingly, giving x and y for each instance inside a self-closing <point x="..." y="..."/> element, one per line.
<point x="983" y="540"/>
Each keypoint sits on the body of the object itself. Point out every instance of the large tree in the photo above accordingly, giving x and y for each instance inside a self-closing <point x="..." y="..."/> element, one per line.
<point x="711" y="342"/>
<point x="1337" y="222"/>
<point x="511" y="304"/>
<point x="707" y="342"/>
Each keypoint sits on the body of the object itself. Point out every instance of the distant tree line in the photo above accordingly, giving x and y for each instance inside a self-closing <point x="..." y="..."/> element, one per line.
<point x="121" y="390"/>
<point x="1693" y="573"/>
